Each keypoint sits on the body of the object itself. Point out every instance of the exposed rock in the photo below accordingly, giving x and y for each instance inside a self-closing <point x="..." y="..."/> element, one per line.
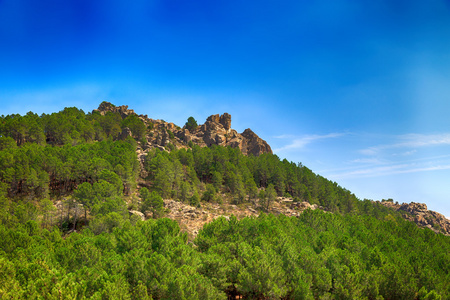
<point x="213" y="119"/>
<point x="126" y="132"/>
<point x="225" y="120"/>
<point x="192" y="219"/>
<point x="137" y="213"/>
<point x="419" y="214"/>
<point x="163" y="138"/>
<point x="106" y="107"/>
<point x="413" y="207"/>
<point x="305" y="205"/>
<point x="166" y="136"/>
<point x="254" y="144"/>
<point x="217" y="131"/>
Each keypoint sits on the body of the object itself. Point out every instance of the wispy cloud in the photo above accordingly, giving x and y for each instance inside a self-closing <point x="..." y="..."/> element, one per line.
<point x="401" y="154"/>
<point x="406" y="153"/>
<point x="410" y="141"/>
<point x="371" y="161"/>
<point x="389" y="170"/>
<point x="298" y="143"/>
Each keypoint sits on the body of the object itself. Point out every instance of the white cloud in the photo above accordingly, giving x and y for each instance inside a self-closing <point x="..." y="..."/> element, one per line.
<point x="300" y="142"/>
<point x="401" y="170"/>
<point x="372" y="161"/>
<point x="401" y="156"/>
<point x="407" y="153"/>
<point x="369" y="172"/>
<point x="410" y="141"/>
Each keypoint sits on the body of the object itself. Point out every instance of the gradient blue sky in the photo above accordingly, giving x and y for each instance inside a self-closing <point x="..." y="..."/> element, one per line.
<point x="358" y="91"/>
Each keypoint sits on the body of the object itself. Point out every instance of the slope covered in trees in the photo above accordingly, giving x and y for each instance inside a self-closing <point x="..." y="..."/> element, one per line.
<point x="316" y="256"/>
<point x="68" y="181"/>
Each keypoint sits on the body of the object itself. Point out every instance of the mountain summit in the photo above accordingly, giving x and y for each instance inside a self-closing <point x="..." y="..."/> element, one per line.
<point x="215" y="131"/>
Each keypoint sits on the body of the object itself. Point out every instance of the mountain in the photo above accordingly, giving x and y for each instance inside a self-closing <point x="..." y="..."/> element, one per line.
<point x="217" y="131"/>
<point x="114" y="205"/>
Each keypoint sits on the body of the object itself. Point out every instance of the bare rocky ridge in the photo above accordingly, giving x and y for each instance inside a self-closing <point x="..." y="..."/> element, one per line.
<point x="191" y="219"/>
<point x="419" y="214"/>
<point x="215" y="131"/>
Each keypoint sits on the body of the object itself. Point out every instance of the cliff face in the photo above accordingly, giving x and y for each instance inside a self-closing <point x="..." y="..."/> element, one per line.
<point x="419" y="214"/>
<point x="215" y="131"/>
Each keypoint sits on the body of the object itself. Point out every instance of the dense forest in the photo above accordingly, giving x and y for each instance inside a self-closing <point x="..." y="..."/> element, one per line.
<point x="68" y="181"/>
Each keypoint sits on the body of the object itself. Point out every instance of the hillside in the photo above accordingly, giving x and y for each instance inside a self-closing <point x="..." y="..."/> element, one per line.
<point x="85" y="200"/>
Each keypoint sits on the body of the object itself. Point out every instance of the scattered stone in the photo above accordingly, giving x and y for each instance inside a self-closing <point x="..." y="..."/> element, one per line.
<point x="252" y="210"/>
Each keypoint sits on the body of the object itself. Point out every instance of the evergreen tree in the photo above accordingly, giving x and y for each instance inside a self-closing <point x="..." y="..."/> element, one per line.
<point x="270" y="196"/>
<point x="191" y="124"/>
<point x="151" y="201"/>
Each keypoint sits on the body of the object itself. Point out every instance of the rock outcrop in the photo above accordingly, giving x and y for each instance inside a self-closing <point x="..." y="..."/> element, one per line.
<point x="419" y="214"/>
<point x="217" y="131"/>
<point x="167" y="136"/>
<point x="191" y="219"/>
<point x="126" y="132"/>
<point x="106" y="107"/>
<point x="254" y="144"/>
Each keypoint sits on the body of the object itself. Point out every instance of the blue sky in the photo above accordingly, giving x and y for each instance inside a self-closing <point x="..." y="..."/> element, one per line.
<point x="358" y="91"/>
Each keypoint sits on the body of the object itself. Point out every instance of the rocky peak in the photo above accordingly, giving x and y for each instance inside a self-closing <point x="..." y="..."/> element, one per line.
<point x="213" y="118"/>
<point x="215" y="131"/>
<point x="225" y="120"/>
<point x="219" y="121"/>
<point x="255" y="145"/>
<point x="106" y="107"/>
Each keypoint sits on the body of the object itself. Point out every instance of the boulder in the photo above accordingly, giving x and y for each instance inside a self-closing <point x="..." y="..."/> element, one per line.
<point x="126" y="132"/>
<point x="137" y="213"/>
<point x="225" y="120"/>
